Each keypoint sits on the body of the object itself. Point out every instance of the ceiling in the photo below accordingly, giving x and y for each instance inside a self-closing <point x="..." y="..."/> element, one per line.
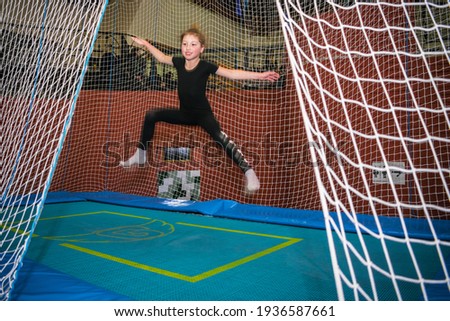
<point x="259" y="17"/>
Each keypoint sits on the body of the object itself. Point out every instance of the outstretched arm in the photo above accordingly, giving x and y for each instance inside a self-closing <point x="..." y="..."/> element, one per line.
<point x="159" y="55"/>
<point x="236" y="74"/>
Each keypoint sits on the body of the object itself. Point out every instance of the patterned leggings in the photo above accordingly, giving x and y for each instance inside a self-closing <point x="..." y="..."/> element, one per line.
<point x="206" y="120"/>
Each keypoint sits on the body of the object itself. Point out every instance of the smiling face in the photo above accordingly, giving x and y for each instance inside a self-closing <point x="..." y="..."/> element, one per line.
<point x="191" y="47"/>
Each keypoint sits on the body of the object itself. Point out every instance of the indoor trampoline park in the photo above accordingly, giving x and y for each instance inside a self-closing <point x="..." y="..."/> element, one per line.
<point x="260" y="150"/>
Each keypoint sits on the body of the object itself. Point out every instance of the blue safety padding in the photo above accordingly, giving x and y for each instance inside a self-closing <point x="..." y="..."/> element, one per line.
<point x="53" y="197"/>
<point x="34" y="277"/>
<point x="417" y="228"/>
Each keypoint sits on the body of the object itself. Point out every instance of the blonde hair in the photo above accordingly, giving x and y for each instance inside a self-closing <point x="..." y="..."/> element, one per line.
<point x="194" y="30"/>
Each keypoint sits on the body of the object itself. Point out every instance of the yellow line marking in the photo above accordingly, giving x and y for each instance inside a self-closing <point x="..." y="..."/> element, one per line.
<point x="200" y="276"/>
<point x="95" y="213"/>
<point x="69" y="215"/>
<point x="180" y="276"/>
<point x="17" y="230"/>
<point x="127" y="262"/>
<point x="235" y="231"/>
<point x="195" y="278"/>
<point x="25" y="233"/>
<point x="244" y="260"/>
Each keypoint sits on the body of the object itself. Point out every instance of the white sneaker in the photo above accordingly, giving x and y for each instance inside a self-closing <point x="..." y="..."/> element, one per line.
<point x="139" y="158"/>
<point x="252" y="185"/>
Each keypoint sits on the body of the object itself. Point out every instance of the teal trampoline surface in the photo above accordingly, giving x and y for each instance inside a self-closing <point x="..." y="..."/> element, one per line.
<point x="94" y="250"/>
<point x="124" y="253"/>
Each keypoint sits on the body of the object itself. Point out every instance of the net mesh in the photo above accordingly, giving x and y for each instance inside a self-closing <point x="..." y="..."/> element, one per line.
<point x="374" y="81"/>
<point x="357" y="124"/>
<point x="123" y="83"/>
<point x="42" y="67"/>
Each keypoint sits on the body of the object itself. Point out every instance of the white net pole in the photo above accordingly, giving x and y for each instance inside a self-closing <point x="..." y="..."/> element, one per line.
<point x="45" y="49"/>
<point x="374" y="81"/>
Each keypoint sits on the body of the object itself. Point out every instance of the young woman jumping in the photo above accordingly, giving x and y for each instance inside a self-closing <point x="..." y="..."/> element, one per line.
<point x="195" y="109"/>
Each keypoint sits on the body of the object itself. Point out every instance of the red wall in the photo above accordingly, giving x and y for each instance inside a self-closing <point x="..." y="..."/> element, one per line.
<point x="270" y="125"/>
<point x="116" y="117"/>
